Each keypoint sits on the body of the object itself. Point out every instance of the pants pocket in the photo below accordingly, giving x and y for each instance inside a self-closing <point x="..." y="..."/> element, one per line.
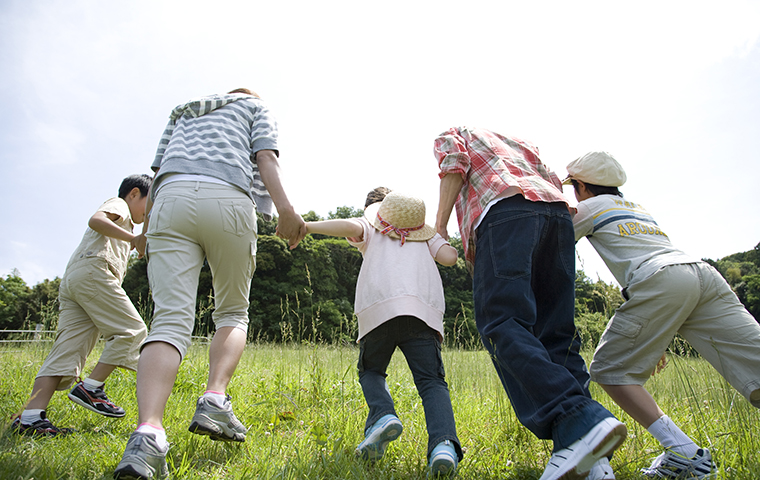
<point x="511" y="246"/>
<point x="238" y="216"/>
<point x="161" y="215"/>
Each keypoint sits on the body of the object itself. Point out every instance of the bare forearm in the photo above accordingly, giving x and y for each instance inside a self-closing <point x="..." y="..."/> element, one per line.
<point x="451" y="185"/>
<point x="336" y="228"/>
<point x="105" y="226"/>
<point x="269" y="168"/>
<point x="290" y="225"/>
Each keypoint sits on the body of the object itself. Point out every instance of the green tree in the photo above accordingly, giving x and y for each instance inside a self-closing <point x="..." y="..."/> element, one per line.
<point x="741" y="271"/>
<point x="345" y="212"/>
<point x="748" y="292"/>
<point x="14" y="294"/>
<point x="595" y="303"/>
<point x="459" y="318"/>
<point x="41" y="305"/>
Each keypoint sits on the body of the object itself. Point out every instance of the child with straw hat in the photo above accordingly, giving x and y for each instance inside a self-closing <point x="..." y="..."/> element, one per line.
<point x="399" y="303"/>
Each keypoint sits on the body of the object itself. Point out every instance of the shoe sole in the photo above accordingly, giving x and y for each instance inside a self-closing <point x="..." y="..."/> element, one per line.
<point x="89" y="407"/>
<point x="215" y="434"/>
<point x="604" y="448"/>
<point x="443" y="465"/>
<point x="386" y="434"/>
<point x="129" y="473"/>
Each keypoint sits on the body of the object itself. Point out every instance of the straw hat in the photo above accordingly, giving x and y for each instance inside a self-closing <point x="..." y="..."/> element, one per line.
<point x="400" y="216"/>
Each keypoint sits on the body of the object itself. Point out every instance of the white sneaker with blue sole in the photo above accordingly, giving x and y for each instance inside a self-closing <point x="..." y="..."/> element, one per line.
<point x="377" y="438"/>
<point x="443" y="460"/>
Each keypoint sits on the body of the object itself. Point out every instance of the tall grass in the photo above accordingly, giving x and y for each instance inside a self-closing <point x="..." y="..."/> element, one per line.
<point x="305" y="412"/>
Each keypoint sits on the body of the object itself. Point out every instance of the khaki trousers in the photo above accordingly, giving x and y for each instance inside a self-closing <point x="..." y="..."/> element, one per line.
<point x="93" y="303"/>
<point x="189" y="222"/>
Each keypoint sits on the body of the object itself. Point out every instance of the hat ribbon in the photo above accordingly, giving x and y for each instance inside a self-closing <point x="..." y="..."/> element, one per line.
<point x="401" y="232"/>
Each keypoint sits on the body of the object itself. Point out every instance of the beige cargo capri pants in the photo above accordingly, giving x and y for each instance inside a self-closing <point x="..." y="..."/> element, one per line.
<point x="191" y="221"/>
<point x="93" y="303"/>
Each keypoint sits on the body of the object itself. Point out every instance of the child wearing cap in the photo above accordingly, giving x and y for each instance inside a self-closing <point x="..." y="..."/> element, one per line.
<point x="399" y="302"/>
<point x="666" y="292"/>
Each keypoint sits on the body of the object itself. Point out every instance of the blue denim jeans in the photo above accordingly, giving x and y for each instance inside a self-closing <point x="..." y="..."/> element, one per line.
<point x="524" y="291"/>
<point x="420" y="345"/>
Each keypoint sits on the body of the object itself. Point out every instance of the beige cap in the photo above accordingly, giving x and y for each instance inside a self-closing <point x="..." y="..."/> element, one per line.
<point x="596" y="168"/>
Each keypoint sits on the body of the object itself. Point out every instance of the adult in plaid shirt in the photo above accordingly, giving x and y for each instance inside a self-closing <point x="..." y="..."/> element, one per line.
<point x="519" y="243"/>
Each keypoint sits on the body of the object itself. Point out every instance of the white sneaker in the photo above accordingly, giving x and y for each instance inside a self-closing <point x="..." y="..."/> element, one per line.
<point x="601" y="470"/>
<point x="575" y="461"/>
<point x="669" y="464"/>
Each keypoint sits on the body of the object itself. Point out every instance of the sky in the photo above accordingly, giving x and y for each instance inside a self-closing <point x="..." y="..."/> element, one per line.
<point x="360" y="90"/>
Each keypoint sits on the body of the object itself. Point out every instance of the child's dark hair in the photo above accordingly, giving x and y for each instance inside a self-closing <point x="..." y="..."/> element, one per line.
<point x="598" y="189"/>
<point x="376" y="195"/>
<point x="141" y="181"/>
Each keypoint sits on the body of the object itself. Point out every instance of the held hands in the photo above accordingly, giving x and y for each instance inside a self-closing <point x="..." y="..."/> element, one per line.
<point x="291" y="226"/>
<point x="139" y="242"/>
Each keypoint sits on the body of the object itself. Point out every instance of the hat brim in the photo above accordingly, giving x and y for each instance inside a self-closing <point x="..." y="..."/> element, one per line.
<point x="568" y="180"/>
<point x="422" y="235"/>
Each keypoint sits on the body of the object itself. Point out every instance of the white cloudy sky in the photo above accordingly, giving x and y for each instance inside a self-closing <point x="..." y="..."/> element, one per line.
<point x="361" y="89"/>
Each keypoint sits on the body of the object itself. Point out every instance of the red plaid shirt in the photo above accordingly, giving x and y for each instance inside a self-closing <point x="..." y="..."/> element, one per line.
<point x="489" y="163"/>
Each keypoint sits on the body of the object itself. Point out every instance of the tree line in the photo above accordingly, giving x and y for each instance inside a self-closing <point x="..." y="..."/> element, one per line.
<point x="307" y="294"/>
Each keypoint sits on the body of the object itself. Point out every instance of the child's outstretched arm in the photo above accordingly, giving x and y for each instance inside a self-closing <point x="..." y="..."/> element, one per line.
<point x="337" y="228"/>
<point x="103" y="223"/>
<point x="447" y="255"/>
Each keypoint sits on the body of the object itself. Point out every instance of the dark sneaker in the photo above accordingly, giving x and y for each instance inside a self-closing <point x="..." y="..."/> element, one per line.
<point x="41" y="428"/>
<point x="143" y="459"/>
<point x="377" y="438"/>
<point x="217" y="422"/>
<point x="672" y="465"/>
<point x="96" y="401"/>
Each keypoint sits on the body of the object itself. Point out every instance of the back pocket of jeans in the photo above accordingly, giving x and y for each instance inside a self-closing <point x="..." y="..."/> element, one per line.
<point x="237" y="216"/>
<point x="511" y="243"/>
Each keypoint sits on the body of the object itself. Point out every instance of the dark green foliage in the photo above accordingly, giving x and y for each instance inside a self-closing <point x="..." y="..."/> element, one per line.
<point x="459" y="319"/>
<point x="307" y="294"/>
<point x="742" y="272"/>
<point x="13" y="296"/>
<point x="22" y="307"/>
<point x="345" y="212"/>
<point x="136" y="285"/>
<point x="595" y="303"/>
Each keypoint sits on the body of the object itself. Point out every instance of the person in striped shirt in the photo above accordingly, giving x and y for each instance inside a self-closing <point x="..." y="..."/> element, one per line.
<point x="518" y="236"/>
<point x="666" y="292"/>
<point x="216" y="166"/>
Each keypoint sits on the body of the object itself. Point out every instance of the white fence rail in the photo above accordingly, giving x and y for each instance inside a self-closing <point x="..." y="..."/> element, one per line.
<point x="40" y="335"/>
<point x="36" y="335"/>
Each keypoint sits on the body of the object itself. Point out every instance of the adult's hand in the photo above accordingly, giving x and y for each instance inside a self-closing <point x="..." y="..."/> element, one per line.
<point x="292" y="227"/>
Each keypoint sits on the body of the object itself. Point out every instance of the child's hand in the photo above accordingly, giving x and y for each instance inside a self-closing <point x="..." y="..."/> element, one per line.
<point x="139" y="242"/>
<point x="660" y="365"/>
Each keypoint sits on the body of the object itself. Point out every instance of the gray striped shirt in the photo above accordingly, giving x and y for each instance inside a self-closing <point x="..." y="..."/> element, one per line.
<point x="219" y="136"/>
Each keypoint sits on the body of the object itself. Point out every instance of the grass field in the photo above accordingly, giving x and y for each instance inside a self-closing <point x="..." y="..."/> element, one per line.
<point x="305" y="412"/>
